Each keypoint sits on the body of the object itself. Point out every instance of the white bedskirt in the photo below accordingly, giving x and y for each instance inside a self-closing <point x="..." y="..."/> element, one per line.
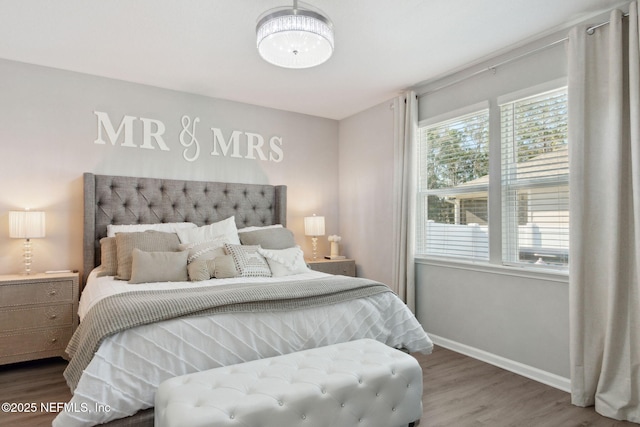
<point x="128" y="367"/>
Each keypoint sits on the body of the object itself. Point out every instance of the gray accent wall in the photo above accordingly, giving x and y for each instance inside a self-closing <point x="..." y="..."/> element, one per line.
<point x="366" y="190"/>
<point x="47" y="133"/>
<point x="516" y="316"/>
<point x="516" y="320"/>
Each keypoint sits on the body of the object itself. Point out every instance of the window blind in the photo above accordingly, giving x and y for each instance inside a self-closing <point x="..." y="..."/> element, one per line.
<point x="535" y="180"/>
<point x="453" y="184"/>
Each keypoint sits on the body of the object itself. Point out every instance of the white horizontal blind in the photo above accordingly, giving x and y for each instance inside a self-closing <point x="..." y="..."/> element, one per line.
<point x="452" y="218"/>
<point x="535" y="180"/>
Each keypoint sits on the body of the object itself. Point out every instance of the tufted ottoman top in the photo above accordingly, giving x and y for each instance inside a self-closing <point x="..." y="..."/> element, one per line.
<point x="361" y="382"/>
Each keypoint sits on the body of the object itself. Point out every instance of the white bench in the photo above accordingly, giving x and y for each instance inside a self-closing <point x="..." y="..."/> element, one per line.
<point x="357" y="383"/>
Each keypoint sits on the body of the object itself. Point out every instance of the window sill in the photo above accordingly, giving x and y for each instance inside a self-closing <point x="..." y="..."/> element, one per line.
<point x="485" y="267"/>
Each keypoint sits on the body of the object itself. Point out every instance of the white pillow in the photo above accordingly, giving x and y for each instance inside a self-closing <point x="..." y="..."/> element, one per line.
<point x="285" y="262"/>
<point x="221" y="229"/>
<point x="167" y="227"/>
<point x="253" y="228"/>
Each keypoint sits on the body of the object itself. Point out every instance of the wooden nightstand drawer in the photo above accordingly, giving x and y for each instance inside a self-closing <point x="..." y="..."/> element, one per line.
<point x="36" y="292"/>
<point x="344" y="267"/>
<point x="19" y="318"/>
<point x="38" y="314"/>
<point x="39" y="342"/>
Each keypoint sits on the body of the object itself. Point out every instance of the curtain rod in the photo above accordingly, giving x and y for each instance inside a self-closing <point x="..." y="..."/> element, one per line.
<point x="493" y="67"/>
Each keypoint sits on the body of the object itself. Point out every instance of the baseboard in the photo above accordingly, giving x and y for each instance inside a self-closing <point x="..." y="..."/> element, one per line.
<point x="544" y="377"/>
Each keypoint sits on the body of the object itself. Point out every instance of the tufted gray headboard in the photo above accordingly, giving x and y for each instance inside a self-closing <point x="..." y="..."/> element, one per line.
<point x="112" y="199"/>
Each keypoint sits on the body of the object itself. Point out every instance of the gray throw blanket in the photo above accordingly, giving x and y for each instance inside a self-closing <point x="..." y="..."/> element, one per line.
<point x="119" y="312"/>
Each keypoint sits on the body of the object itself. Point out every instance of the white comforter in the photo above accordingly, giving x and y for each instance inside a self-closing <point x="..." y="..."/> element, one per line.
<point x="128" y="367"/>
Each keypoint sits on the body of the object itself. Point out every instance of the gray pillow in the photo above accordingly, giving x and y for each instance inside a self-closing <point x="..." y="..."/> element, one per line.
<point x="248" y="260"/>
<point x="149" y="241"/>
<point x="269" y="238"/>
<point x="108" y="257"/>
<point x="225" y="268"/>
<point x="201" y="269"/>
<point x="158" y="266"/>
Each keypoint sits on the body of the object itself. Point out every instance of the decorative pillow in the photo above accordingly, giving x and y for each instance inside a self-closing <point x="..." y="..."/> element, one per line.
<point x="285" y="262"/>
<point x="146" y="241"/>
<point x="269" y="238"/>
<point x="158" y="266"/>
<point x="225" y="228"/>
<point x="225" y="268"/>
<point x="209" y="249"/>
<point x="248" y="260"/>
<point x="167" y="227"/>
<point x="201" y="269"/>
<point x="108" y="257"/>
<point x="254" y="228"/>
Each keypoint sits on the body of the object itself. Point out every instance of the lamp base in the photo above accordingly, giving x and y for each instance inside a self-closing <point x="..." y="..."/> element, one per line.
<point x="314" y="245"/>
<point x="335" y="257"/>
<point x="28" y="255"/>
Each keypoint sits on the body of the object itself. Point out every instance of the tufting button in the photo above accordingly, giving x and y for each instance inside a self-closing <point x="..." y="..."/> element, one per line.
<point x="342" y="405"/>
<point x="232" y="416"/>
<point x="280" y="402"/>
<point x="393" y="409"/>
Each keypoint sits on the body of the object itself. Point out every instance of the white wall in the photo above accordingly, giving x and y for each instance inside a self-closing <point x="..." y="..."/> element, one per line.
<point x="366" y="190"/>
<point x="47" y="133"/>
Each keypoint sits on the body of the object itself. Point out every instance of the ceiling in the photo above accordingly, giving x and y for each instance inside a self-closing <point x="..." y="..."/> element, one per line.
<point x="208" y="47"/>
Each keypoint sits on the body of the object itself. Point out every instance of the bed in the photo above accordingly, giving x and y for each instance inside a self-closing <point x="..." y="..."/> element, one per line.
<point x="113" y="373"/>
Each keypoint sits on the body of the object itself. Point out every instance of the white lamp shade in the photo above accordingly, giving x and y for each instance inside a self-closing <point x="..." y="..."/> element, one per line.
<point x="26" y="224"/>
<point x="314" y="226"/>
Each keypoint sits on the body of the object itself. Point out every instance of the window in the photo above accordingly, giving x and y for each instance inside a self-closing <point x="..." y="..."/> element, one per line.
<point x="535" y="180"/>
<point x="454" y="180"/>
<point x="453" y="186"/>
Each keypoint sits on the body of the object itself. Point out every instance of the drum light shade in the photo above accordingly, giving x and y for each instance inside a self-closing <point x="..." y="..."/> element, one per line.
<point x="294" y="37"/>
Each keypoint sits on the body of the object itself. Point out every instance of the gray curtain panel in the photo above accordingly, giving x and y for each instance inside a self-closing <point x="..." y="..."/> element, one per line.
<point x="604" y="134"/>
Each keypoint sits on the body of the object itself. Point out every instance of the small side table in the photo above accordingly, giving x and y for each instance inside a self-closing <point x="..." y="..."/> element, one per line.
<point x="345" y="267"/>
<point x="38" y="315"/>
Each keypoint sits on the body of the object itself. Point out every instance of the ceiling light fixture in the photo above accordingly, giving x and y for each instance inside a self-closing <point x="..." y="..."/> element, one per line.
<point x="297" y="37"/>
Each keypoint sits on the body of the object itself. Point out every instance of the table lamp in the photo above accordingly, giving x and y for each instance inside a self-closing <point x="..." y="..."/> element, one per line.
<point x="314" y="227"/>
<point x="26" y="225"/>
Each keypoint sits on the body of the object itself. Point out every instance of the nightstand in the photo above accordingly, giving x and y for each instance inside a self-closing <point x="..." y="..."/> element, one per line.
<point x="345" y="267"/>
<point x="38" y="314"/>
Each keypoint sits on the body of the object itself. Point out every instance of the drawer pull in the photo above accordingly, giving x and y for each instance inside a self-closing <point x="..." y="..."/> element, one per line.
<point x="53" y="316"/>
<point x="54" y="340"/>
<point x="53" y="292"/>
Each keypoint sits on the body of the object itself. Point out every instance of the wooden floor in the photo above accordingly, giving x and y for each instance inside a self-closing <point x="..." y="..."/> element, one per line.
<point x="458" y="392"/>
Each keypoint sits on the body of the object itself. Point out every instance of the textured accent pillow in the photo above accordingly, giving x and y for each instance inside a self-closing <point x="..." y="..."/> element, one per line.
<point x="167" y="227"/>
<point x="150" y="241"/>
<point x="269" y="238"/>
<point x="248" y="260"/>
<point x="201" y="269"/>
<point x="149" y="267"/>
<point x="108" y="257"/>
<point x="209" y="249"/>
<point x="285" y="262"/>
<point x="225" y="228"/>
<point x="225" y="268"/>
